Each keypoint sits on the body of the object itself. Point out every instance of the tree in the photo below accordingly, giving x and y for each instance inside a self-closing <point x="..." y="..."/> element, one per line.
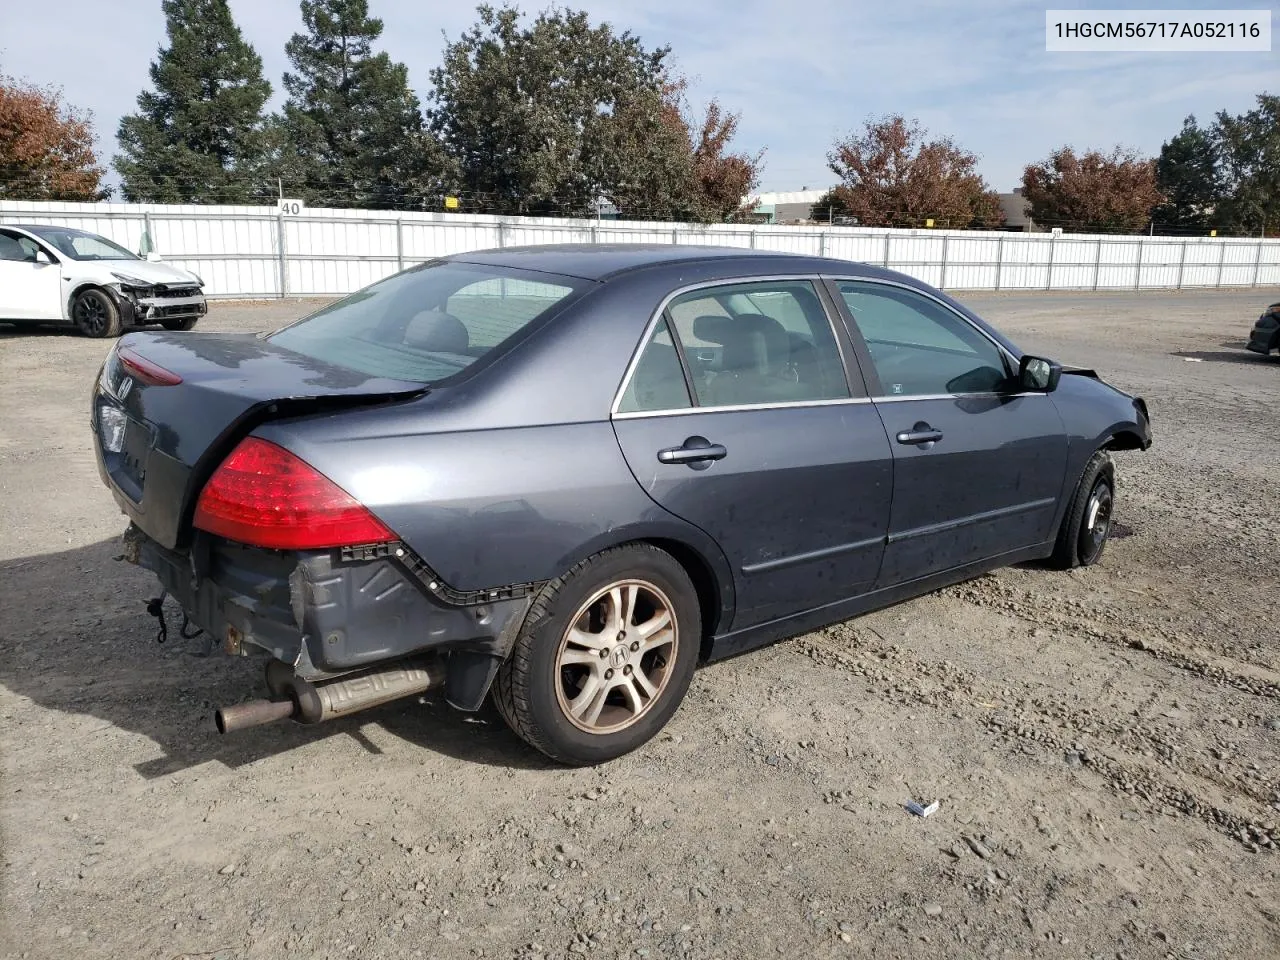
<point x="1094" y="192"/>
<point x="1249" y="146"/>
<point x="1187" y="174"/>
<point x="893" y="175"/>
<point x="199" y="136"/>
<point x="723" y="180"/>
<point x="353" y="130"/>
<point x="551" y="117"/>
<point x="46" y="146"/>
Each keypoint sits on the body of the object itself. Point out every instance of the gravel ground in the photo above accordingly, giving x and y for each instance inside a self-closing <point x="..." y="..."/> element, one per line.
<point x="1104" y="744"/>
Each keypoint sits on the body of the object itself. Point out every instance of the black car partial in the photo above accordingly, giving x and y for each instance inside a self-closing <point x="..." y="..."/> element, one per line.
<point x="563" y="476"/>
<point x="1265" y="335"/>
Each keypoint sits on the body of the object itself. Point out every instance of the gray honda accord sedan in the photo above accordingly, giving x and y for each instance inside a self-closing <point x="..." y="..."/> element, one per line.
<point x="564" y="475"/>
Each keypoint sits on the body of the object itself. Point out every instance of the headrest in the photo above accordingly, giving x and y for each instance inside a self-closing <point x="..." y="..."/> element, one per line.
<point x="713" y="328"/>
<point x="437" y="331"/>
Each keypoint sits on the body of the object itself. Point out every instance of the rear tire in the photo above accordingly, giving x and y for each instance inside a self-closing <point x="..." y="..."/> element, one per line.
<point x="95" y="314"/>
<point x="604" y="658"/>
<point x="186" y="323"/>
<point x="1087" y="524"/>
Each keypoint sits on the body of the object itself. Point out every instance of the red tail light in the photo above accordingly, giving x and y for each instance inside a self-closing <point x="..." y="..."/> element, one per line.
<point x="265" y="496"/>
<point x="140" y="368"/>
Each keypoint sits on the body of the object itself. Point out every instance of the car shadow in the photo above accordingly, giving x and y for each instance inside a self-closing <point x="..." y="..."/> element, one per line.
<point x="10" y="331"/>
<point x="1239" y="355"/>
<point x="75" y="637"/>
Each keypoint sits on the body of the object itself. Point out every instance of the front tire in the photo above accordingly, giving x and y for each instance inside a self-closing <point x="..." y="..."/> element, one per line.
<point x="605" y="657"/>
<point x="95" y="314"/>
<point x="1087" y="524"/>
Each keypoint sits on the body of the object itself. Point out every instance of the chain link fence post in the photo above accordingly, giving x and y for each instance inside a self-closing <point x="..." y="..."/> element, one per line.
<point x="999" y="258"/>
<point x="1182" y="262"/>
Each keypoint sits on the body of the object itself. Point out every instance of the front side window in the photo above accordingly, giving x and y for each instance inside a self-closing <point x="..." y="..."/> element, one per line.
<point x="919" y="347"/>
<point x="756" y="343"/>
<point x="430" y="323"/>
<point x="12" y="247"/>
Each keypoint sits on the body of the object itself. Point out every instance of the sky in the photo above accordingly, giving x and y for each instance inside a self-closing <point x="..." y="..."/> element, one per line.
<point x="801" y="73"/>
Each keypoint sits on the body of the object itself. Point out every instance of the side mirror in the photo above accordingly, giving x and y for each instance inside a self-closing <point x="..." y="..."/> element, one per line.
<point x="1038" y="375"/>
<point x="41" y="256"/>
<point x="153" y="257"/>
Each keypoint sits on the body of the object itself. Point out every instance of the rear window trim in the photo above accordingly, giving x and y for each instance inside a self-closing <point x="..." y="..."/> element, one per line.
<point x="579" y="287"/>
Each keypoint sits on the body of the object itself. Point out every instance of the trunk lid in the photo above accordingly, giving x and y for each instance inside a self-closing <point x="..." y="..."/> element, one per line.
<point x="173" y="436"/>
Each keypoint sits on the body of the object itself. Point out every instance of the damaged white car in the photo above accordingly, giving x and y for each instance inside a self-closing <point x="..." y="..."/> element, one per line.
<point x="60" y="275"/>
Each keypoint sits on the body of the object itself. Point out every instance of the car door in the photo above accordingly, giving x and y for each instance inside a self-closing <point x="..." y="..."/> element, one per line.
<point x="30" y="289"/>
<point x="978" y="465"/>
<point x="738" y="415"/>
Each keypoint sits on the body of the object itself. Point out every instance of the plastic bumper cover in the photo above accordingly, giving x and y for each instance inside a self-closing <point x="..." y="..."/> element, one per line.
<point x="326" y="616"/>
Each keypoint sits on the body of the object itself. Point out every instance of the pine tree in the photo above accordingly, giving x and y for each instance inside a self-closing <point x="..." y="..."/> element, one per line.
<point x="199" y="136"/>
<point x="1188" y="175"/>
<point x="353" y="129"/>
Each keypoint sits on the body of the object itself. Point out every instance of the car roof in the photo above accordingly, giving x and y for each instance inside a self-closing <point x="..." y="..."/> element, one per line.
<point x="600" y="261"/>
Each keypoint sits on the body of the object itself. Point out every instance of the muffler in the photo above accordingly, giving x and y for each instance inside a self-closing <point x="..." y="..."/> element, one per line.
<point x="305" y="702"/>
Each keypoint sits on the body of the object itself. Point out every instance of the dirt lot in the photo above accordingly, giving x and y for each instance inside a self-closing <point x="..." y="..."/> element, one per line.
<point x="1105" y="745"/>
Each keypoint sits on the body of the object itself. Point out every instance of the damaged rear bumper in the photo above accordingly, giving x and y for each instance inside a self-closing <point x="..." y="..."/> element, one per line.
<point x="329" y="613"/>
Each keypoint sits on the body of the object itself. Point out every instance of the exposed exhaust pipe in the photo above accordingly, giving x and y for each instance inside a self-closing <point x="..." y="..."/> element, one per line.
<point x="316" y="702"/>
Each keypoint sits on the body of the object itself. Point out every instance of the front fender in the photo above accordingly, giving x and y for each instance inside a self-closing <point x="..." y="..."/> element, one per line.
<point x="123" y="303"/>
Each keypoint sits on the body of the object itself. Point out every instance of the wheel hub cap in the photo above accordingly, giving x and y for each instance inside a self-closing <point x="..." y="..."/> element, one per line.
<point x="615" y="658"/>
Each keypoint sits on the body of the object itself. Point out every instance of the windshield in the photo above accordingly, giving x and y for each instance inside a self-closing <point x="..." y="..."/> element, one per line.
<point x="429" y="323"/>
<point x="79" y="245"/>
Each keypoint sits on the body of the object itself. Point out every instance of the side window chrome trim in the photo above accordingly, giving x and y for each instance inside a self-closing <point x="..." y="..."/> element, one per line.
<point x="839" y="401"/>
<point x="813" y="278"/>
<point x="876" y="281"/>
<point x="903" y="397"/>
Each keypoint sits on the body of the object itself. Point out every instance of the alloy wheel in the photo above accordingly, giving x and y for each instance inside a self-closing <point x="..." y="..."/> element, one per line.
<point x="616" y="656"/>
<point x="91" y="314"/>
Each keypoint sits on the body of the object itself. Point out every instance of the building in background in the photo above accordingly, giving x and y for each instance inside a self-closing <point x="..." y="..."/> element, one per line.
<point x="1017" y="217"/>
<point x="795" y="206"/>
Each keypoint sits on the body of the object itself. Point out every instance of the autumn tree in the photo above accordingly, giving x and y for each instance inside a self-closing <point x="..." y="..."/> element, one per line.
<point x="1093" y="192"/>
<point x="353" y="130"/>
<point x="199" y="135"/>
<point x="894" y="174"/>
<point x="1249" y="148"/>
<point x="1189" y="178"/>
<point x="722" y="179"/>
<point x="46" y="146"/>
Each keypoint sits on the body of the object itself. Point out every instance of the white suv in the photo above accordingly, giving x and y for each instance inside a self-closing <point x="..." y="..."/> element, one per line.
<point x="60" y="275"/>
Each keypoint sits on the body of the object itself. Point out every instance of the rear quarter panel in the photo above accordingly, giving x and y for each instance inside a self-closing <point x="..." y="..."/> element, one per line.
<point x="514" y="475"/>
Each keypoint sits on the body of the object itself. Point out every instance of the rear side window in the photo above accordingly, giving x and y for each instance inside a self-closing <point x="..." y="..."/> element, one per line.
<point x="657" y="383"/>
<point x="765" y="343"/>
<point x="759" y="343"/>
<point x="430" y="323"/>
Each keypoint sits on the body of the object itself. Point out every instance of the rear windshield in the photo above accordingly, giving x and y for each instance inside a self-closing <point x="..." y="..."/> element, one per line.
<point x="429" y="323"/>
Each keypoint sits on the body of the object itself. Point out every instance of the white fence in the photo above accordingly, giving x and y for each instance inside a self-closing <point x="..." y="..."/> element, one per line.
<point x="257" y="252"/>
